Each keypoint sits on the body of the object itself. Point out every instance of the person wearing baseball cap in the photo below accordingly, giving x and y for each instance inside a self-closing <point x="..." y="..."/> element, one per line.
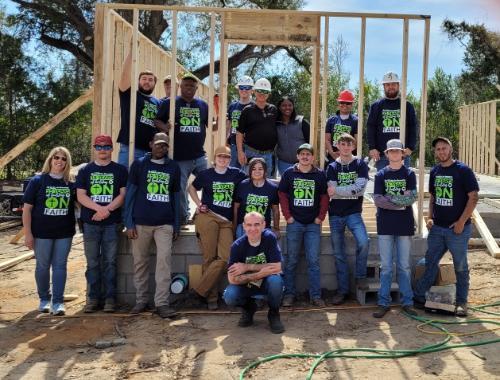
<point x="394" y="193"/>
<point x="167" y="86"/>
<point x="383" y="122"/>
<point x="100" y="190"/>
<point x="213" y="221"/>
<point x="245" y="91"/>
<point x="151" y="214"/>
<point x="454" y="195"/>
<point x="304" y="203"/>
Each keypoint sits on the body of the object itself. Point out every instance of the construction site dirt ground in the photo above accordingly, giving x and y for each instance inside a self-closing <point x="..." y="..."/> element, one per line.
<point x="211" y="346"/>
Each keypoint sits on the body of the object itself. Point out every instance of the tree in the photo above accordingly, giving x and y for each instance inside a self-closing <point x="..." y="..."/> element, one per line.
<point x="481" y="58"/>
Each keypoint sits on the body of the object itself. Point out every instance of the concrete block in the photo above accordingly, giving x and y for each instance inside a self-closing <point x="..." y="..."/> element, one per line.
<point x="193" y="259"/>
<point x="328" y="281"/>
<point x="124" y="264"/>
<point x="370" y="296"/>
<point x="373" y="269"/>
<point x="121" y="283"/>
<point x="327" y="264"/>
<point x="130" y="283"/>
<point x="186" y="245"/>
<point x="178" y="264"/>
<point x="125" y="299"/>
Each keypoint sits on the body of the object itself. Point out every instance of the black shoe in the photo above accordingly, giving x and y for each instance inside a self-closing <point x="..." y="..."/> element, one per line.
<point x="165" y="311"/>
<point x="273" y="315"/>
<point x="247" y="313"/>
<point x="419" y="303"/>
<point x="381" y="311"/>
<point x="338" y="299"/>
<point x="139" y="308"/>
<point x="408" y="309"/>
<point x="91" y="306"/>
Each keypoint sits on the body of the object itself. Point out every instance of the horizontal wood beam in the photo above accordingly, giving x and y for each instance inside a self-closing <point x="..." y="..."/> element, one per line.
<point x="485" y="233"/>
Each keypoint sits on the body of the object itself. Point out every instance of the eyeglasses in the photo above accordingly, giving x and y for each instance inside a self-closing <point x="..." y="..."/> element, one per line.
<point x="103" y="147"/>
<point x="57" y="158"/>
<point x="263" y="92"/>
<point x="245" y="88"/>
<point x="345" y="103"/>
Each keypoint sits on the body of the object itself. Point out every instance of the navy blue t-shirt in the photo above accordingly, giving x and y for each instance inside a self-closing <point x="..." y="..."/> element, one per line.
<point x="145" y="113"/>
<point x="449" y="187"/>
<point x="53" y="213"/>
<point x="156" y="184"/>
<point x="102" y="184"/>
<point x="395" y="182"/>
<point x="218" y="189"/>
<point x="304" y="191"/>
<point x="191" y="120"/>
<point x="384" y="124"/>
<point x="253" y="198"/>
<point x="335" y="125"/>
<point x="233" y="115"/>
<point x="346" y="175"/>
<point x="268" y="251"/>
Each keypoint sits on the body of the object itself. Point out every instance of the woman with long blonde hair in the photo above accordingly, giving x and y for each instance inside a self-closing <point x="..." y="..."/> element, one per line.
<point x="49" y="226"/>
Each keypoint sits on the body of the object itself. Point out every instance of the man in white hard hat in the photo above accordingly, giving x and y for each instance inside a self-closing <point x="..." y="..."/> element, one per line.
<point x="257" y="135"/>
<point x="384" y="123"/>
<point x="245" y="90"/>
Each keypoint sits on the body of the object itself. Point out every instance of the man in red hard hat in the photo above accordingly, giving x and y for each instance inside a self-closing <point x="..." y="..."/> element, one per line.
<point x="342" y="122"/>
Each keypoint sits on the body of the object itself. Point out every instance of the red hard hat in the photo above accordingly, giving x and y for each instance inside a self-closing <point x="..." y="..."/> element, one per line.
<point x="346" y="96"/>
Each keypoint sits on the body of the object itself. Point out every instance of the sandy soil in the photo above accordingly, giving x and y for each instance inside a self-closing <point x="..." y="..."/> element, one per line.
<point x="210" y="346"/>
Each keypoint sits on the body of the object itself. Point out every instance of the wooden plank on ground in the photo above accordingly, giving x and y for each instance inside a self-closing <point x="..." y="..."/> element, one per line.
<point x="12" y="262"/>
<point x="17" y="237"/>
<point x="488" y="238"/>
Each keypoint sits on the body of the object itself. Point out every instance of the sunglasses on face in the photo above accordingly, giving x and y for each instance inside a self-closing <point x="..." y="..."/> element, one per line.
<point x="345" y="104"/>
<point x="245" y="88"/>
<point x="57" y="158"/>
<point x="102" y="147"/>
<point x="263" y="92"/>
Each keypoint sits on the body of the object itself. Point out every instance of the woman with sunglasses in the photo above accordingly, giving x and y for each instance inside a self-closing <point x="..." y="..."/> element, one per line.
<point x="293" y="131"/>
<point x="49" y="226"/>
<point x="256" y="194"/>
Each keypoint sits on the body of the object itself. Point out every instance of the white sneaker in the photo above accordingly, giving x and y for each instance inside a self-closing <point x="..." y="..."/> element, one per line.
<point x="58" y="309"/>
<point x="44" y="306"/>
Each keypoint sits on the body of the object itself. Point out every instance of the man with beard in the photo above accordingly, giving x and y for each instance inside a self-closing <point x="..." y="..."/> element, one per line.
<point x="146" y="109"/>
<point x="191" y="120"/>
<point x="454" y="195"/>
<point x="384" y="123"/>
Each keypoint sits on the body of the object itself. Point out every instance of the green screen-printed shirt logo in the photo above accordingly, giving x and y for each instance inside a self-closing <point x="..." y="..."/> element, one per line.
<point x="189" y="120"/>
<point x="157" y="186"/>
<point x="390" y="120"/>
<point x="235" y="117"/>
<point x="57" y="200"/>
<point x="303" y="192"/>
<point x="101" y="187"/>
<point x="223" y="194"/>
<point x="443" y="185"/>
<point x="258" y="259"/>
<point x="338" y="129"/>
<point x="257" y="203"/>
<point x="148" y="113"/>
<point x="395" y="186"/>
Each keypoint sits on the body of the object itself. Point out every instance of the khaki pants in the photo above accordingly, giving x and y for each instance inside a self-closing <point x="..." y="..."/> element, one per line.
<point x="215" y="237"/>
<point x="162" y="236"/>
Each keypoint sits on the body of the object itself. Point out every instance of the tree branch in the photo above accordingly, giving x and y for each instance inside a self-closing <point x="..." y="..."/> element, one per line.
<point x="79" y="54"/>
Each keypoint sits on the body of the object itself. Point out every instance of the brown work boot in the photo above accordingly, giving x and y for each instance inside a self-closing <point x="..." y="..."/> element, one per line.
<point x="91" y="306"/>
<point x="318" y="302"/>
<point x="381" y="311"/>
<point x="338" y="299"/>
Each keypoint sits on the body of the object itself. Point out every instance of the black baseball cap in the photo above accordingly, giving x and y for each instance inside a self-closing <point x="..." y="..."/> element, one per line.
<point x="441" y="138"/>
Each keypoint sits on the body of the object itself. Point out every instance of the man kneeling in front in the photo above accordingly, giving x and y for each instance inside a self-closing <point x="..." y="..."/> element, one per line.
<point x="254" y="268"/>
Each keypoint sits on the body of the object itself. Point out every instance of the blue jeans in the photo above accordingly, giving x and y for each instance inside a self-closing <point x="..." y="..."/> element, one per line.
<point x="234" y="157"/>
<point x="337" y="228"/>
<point x="387" y="246"/>
<point x="51" y="253"/>
<point x="439" y="241"/>
<point x="189" y="167"/>
<point x="310" y="234"/>
<point x="268" y="157"/>
<point x="384" y="161"/>
<point x="272" y="288"/>
<point x="283" y="165"/>
<point x="100" y="243"/>
<point x="123" y="154"/>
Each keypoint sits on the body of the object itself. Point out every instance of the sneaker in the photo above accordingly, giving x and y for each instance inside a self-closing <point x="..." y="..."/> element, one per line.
<point x="212" y="305"/>
<point x="288" y="300"/>
<point x="91" y="306"/>
<point x="273" y="316"/>
<point x="338" y="299"/>
<point x="139" y="308"/>
<point x="165" y="311"/>
<point x="109" y="305"/>
<point x="58" y="309"/>
<point x="381" y="311"/>
<point x="44" y="306"/>
<point x="247" y="313"/>
<point x="408" y="309"/>
<point x="461" y="310"/>
<point x="419" y="303"/>
<point x="318" y="302"/>
<point x="362" y="283"/>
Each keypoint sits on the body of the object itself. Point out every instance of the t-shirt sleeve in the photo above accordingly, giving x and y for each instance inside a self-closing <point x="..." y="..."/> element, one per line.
<point x="379" y="183"/>
<point x="176" y="181"/>
<point x="243" y="121"/>
<point x="29" y="195"/>
<point x="123" y="176"/>
<point x="283" y="186"/>
<point x="81" y="178"/>
<point x="235" y="255"/>
<point x="274" y="200"/>
<point x="470" y="180"/>
<point x="199" y="181"/>
<point x="322" y="183"/>
<point x="133" y="177"/>
<point x="432" y="176"/>
<point x="163" y="110"/>
<point x="363" y="169"/>
<point x="329" y="125"/>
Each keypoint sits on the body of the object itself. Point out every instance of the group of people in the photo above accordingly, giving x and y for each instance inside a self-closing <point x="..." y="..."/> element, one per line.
<point x="237" y="216"/>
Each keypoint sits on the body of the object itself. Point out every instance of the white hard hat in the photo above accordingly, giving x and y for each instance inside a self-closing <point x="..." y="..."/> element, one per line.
<point x="262" y="84"/>
<point x="390" y="77"/>
<point x="245" y="80"/>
